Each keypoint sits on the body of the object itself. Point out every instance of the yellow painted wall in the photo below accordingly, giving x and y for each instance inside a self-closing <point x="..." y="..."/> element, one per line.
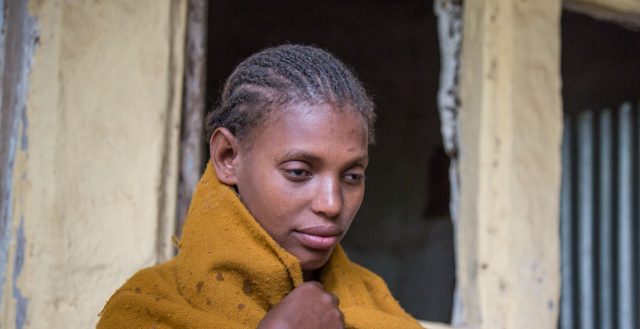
<point x="94" y="186"/>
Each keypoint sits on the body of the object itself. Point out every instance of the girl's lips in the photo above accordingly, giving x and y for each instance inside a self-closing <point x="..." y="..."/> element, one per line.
<point x="319" y="237"/>
<point x="317" y="242"/>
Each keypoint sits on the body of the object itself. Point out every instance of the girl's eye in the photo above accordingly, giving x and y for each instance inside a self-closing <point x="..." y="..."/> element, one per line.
<point x="297" y="175"/>
<point x="354" y="179"/>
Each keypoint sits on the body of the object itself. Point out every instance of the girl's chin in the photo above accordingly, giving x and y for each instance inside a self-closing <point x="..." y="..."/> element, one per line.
<point x="310" y="263"/>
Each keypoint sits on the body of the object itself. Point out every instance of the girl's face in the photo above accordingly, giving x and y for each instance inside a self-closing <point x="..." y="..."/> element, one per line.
<point x="301" y="175"/>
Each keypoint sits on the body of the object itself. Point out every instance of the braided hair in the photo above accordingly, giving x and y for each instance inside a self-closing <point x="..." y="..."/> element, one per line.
<point x="287" y="75"/>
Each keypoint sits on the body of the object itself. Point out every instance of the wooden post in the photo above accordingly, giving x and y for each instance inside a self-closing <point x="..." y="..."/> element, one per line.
<point x="193" y="108"/>
<point x="626" y="12"/>
<point x="510" y="137"/>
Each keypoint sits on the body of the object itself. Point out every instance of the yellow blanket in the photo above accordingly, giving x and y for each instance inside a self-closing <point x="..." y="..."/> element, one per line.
<point x="230" y="272"/>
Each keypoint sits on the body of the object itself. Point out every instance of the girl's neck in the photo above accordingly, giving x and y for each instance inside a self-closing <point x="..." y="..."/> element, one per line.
<point x="310" y="276"/>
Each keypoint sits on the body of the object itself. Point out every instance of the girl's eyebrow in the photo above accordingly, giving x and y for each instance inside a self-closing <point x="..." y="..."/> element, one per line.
<point x="298" y="155"/>
<point x="302" y="155"/>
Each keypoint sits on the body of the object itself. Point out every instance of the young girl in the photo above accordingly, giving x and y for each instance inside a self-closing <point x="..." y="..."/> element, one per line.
<point x="260" y="248"/>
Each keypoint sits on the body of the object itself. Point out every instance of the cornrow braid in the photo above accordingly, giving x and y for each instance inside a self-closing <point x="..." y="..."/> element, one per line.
<point x="286" y="75"/>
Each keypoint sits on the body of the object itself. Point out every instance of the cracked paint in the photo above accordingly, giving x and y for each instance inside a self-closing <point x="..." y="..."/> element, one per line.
<point x="24" y="139"/>
<point x="17" y="35"/>
<point x="21" y="300"/>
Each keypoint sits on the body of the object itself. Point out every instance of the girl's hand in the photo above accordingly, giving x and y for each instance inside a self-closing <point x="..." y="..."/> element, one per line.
<point x="308" y="306"/>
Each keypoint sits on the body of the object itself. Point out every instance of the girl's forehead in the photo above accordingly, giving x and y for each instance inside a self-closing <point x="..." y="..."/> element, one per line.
<point x="315" y="112"/>
<point x="310" y="126"/>
<point x="319" y="124"/>
<point x="323" y="117"/>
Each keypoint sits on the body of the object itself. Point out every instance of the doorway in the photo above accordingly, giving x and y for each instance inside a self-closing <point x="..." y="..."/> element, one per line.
<point x="403" y="231"/>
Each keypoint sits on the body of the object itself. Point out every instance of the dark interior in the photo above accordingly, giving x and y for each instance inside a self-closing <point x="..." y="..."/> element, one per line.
<point x="600" y="63"/>
<point x="601" y="174"/>
<point x="403" y="231"/>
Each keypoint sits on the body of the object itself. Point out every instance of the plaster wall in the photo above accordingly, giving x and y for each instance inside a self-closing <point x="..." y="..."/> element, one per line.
<point x="94" y="181"/>
<point x="510" y="137"/>
<point x="626" y="12"/>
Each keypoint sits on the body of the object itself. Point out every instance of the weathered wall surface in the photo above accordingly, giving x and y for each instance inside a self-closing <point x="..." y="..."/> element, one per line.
<point x="17" y="43"/>
<point x="510" y="135"/>
<point x="94" y="181"/>
<point x="626" y="12"/>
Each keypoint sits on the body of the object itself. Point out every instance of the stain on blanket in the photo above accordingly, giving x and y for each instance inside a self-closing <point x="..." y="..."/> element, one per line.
<point x="246" y="287"/>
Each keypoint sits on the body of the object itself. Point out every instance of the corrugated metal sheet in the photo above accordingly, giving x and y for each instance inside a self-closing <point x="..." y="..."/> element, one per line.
<point x="600" y="217"/>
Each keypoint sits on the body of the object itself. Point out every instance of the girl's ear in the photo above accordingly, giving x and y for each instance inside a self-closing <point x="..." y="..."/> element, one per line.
<point x="224" y="148"/>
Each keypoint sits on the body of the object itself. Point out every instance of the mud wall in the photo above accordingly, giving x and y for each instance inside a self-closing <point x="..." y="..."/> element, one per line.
<point x="94" y="173"/>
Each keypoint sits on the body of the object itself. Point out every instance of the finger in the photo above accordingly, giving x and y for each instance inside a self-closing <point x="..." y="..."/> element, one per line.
<point x="316" y="283"/>
<point x="335" y="299"/>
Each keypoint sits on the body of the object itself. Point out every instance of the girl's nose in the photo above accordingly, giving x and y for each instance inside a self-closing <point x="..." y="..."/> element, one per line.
<point x="328" y="199"/>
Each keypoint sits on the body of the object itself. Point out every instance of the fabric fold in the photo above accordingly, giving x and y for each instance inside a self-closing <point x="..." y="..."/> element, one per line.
<point x="229" y="273"/>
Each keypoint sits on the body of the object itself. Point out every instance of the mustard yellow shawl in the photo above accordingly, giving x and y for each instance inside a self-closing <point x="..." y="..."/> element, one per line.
<point x="230" y="272"/>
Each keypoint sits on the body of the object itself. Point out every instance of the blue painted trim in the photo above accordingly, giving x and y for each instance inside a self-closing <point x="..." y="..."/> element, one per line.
<point x="2" y="14"/>
<point x="24" y="139"/>
<point x="18" y="35"/>
<point x="5" y="203"/>
<point x="21" y="301"/>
